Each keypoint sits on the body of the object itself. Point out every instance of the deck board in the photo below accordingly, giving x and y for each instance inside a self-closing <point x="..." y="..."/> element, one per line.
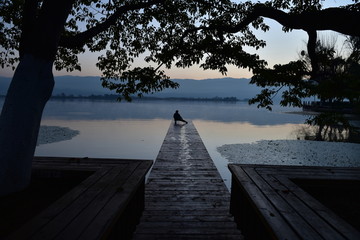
<point x="94" y="209"/>
<point x="185" y="196"/>
<point x="268" y="204"/>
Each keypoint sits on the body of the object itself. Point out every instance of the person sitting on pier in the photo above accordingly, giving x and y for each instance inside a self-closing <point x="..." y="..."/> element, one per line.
<point x="177" y="117"/>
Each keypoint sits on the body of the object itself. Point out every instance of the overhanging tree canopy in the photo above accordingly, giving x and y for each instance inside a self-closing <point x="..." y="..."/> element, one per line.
<point x="40" y="34"/>
<point x="304" y="15"/>
<point x="121" y="31"/>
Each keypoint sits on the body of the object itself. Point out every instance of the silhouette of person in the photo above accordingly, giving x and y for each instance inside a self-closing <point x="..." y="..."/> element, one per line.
<point x="177" y="117"/>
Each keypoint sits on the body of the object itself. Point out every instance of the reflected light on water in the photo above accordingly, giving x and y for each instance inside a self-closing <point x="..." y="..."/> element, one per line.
<point x="237" y="132"/>
<point x="215" y="134"/>
<point x="133" y="139"/>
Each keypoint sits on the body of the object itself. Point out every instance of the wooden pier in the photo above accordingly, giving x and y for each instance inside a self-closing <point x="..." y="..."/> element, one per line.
<point x="185" y="196"/>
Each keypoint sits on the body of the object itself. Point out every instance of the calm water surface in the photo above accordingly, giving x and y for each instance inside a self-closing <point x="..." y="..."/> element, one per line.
<point x="136" y="130"/>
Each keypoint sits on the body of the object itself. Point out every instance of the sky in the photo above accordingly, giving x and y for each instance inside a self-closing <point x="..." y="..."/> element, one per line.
<point x="280" y="49"/>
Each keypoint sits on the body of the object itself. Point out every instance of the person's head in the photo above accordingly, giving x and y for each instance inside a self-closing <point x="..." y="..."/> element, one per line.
<point x="177" y="111"/>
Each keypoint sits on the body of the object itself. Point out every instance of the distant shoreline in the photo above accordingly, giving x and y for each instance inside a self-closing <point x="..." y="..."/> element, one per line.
<point x="114" y="97"/>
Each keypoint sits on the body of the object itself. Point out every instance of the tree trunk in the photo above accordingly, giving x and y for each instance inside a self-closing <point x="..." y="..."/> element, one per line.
<point x="30" y="89"/>
<point x="28" y="93"/>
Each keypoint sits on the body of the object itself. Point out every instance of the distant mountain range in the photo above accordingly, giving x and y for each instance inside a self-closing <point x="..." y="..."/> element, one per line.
<point x="189" y="88"/>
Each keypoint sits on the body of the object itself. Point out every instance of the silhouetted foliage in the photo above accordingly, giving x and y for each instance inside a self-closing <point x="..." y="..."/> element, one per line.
<point x="177" y="33"/>
<point x="320" y="71"/>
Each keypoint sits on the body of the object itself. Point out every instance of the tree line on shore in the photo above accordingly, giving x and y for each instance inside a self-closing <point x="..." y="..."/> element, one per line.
<point x="115" y="97"/>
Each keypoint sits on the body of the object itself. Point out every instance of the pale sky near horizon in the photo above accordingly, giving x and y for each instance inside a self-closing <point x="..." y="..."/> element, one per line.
<point x="281" y="48"/>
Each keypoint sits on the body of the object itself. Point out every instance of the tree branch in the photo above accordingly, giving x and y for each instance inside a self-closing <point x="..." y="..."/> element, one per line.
<point x="336" y="19"/>
<point x="80" y="39"/>
<point x="311" y="46"/>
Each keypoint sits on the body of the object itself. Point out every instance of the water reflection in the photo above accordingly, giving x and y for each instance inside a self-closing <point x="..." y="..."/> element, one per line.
<point x="329" y="133"/>
<point x="127" y="139"/>
<point x="215" y="134"/>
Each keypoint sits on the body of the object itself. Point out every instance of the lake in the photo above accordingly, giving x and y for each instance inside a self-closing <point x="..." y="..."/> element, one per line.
<point x="136" y="130"/>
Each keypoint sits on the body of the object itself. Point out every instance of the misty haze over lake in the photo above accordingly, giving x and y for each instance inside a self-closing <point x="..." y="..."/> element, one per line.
<point x="163" y="109"/>
<point x="136" y="130"/>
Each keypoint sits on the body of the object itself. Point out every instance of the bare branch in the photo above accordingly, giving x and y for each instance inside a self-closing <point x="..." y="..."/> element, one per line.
<point x="311" y="46"/>
<point x="336" y="19"/>
<point x="80" y="39"/>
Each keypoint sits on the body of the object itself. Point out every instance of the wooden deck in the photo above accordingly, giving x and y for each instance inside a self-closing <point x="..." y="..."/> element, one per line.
<point x="107" y="204"/>
<point x="274" y="202"/>
<point x="185" y="197"/>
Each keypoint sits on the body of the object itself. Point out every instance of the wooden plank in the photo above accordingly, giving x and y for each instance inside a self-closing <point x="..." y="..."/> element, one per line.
<point x="312" y="219"/>
<point x="270" y="186"/>
<point x="182" y="187"/>
<point x="345" y="229"/>
<point x="194" y="198"/>
<point x="185" y="181"/>
<point x="89" y="214"/>
<point x="265" y="211"/>
<point x="94" y="205"/>
<point x="187" y="212"/>
<point x="188" y="206"/>
<point x="153" y="193"/>
<point x="186" y="237"/>
<point x="284" y="174"/>
<point x="38" y="222"/>
<point x="182" y="175"/>
<point x="288" y="212"/>
<point x="190" y="228"/>
<point x="62" y="219"/>
<point x="116" y="206"/>
<point x="187" y="218"/>
<point x="83" y="161"/>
